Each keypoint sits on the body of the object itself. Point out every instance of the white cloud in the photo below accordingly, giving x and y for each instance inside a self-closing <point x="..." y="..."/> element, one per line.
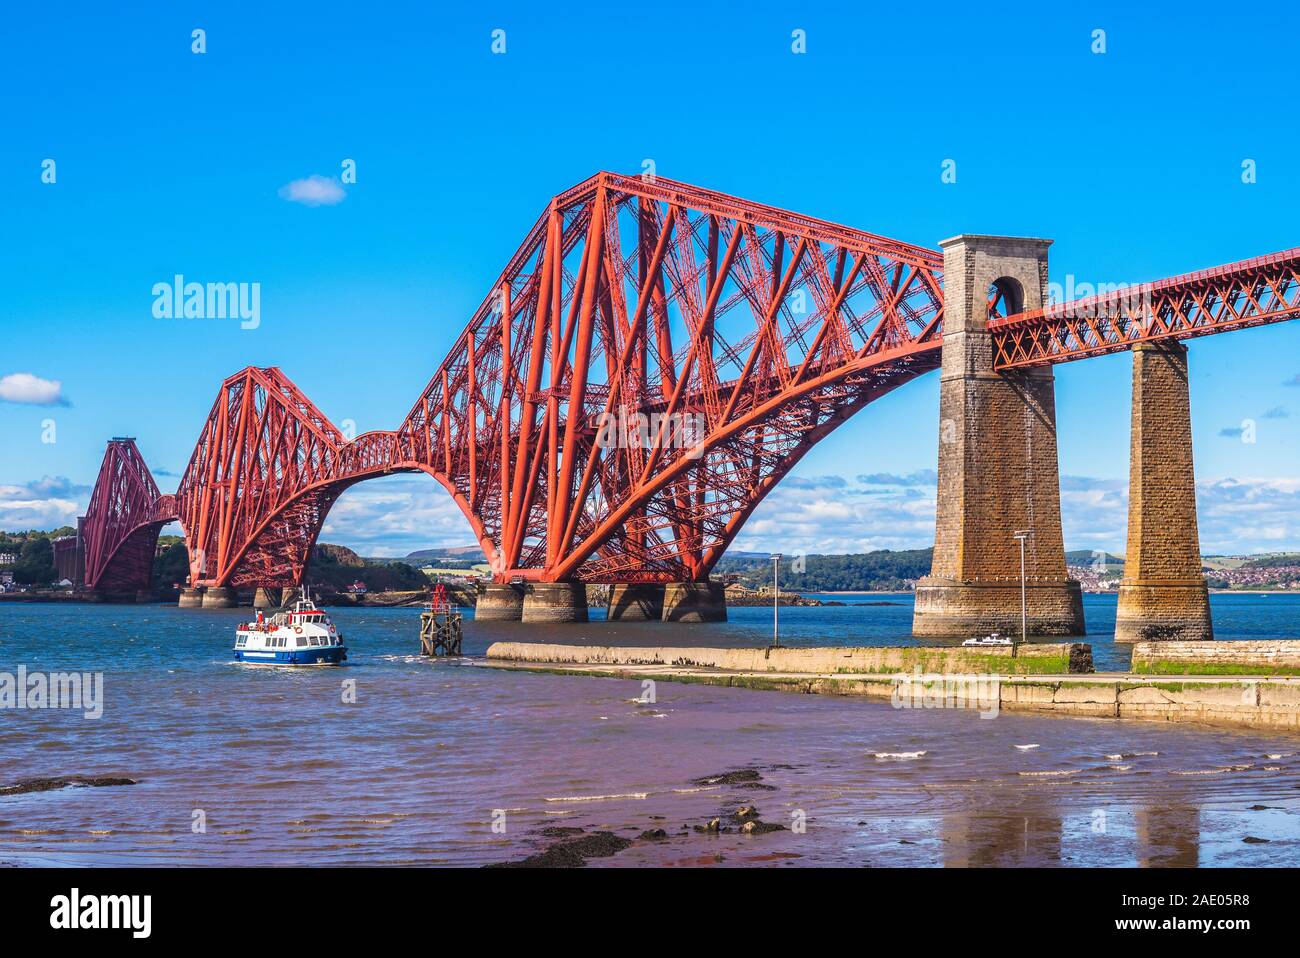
<point x="314" y="190"/>
<point x="396" y="516"/>
<point x="31" y="390"/>
<point x="815" y="515"/>
<point x="47" y="503"/>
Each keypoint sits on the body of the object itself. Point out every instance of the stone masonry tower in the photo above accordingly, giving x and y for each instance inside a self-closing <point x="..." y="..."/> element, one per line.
<point x="1163" y="595"/>
<point x="998" y="471"/>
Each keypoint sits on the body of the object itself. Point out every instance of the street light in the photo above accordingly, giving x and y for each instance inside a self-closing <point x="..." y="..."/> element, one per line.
<point x="1022" y="535"/>
<point x="776" y="601"/>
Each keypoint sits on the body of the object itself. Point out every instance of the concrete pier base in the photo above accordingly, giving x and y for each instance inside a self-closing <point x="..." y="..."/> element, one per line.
<point x="289" y="595"/>
<point x="948" y="608"/>
<point x="1163" y="610"/>
<point x="695" y="602"/>
<point x="1163" y="596"/>
<point x="266" y="598"/>
<point x="219" y="597"/>
<point x="146" y="595"/>
<point x="190" y="598"/>
<point x="555" y="602"/>
<point x="498" y="602"/>
<point x="636" y="602"/>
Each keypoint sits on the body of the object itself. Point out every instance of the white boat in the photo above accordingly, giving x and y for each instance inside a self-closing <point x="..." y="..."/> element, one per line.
<point x="998" y="641"/>
<point x="303" y="635"/>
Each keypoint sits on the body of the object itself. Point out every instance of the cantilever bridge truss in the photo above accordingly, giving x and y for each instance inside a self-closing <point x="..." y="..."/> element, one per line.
<point x="650" y="363"/>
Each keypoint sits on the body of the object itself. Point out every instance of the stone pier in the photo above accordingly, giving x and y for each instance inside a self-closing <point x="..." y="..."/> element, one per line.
<point x="266" y="597"/>
<point x="635" y="602"/>
<point x="695" y="602"/>
<point x="555" y="602"/>
<point x="190" y="598"/>
<point x="219" y="597"/>
<point x="499" y="602"/>
<point x="1163" y="594"/>
<point x="998" y="469"/>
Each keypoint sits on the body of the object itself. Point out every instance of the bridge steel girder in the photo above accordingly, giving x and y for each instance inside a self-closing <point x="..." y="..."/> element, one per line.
<point x="1253" y="292"/>
<point x="742" y="333"/>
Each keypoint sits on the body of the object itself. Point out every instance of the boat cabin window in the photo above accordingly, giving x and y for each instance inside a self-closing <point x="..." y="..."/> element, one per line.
<point x="302" y="643"/>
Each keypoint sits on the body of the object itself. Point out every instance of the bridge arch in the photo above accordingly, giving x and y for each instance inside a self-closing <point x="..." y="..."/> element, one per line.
<point x="1006" y="297"/>
<point x="278" y="551"/>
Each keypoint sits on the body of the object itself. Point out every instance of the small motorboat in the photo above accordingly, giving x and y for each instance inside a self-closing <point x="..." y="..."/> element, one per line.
<point x="302" y="635"/>
<point x="995" y="640"/>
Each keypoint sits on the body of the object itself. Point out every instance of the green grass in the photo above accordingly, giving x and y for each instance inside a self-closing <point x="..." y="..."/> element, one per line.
<point x="1168" y="667"/>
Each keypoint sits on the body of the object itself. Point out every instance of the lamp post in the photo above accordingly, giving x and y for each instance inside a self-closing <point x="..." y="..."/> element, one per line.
<point x="776" y="602"/>
<point x="1021" y="535"/>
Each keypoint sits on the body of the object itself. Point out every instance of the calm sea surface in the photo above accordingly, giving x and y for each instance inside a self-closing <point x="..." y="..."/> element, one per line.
<point x="279" y="769"/>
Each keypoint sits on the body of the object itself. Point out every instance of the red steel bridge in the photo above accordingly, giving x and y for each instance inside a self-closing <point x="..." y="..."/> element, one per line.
<point x="760" y="328"/>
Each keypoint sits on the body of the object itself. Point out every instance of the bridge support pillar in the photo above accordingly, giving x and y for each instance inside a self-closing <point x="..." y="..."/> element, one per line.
<point x="695" y="602"/>
<point x="998" y="471"/>
<point x="499" y="602"/>
<point x="145" y="595"/>
<point x="555" y="602"/>
<point x="636" y="602"/>
<point x="1163" y="594"/>
<point x="266" y="597"/>
<point x="219" y="597"/>
<point x="191" y="598"/>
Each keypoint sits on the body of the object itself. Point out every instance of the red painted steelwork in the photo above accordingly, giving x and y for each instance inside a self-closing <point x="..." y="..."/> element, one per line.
<point x="756" y="329"/>
<point x="1250" y="293"/>
<point x="126" y="513"/>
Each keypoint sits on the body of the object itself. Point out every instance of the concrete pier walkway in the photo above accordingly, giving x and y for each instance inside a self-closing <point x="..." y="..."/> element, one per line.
<point x="1250" y="701"/>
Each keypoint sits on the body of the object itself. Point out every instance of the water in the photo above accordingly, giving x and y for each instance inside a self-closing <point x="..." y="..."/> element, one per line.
<point x="279" y="769"/>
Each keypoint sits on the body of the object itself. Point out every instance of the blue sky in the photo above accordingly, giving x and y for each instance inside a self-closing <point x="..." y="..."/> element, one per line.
<point x="171" y="162"/>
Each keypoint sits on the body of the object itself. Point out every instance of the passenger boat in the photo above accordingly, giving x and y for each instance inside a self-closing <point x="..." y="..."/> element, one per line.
<point x="303" y="635"/>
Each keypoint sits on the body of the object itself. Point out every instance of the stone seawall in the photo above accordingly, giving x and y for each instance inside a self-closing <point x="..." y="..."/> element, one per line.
<point x="1032" y="659"/>
<point x="1263" y="657"/>
<point x="1241" y="702"/>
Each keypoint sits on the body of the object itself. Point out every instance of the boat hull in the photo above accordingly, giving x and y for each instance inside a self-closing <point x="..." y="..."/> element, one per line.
<point x="330" y="655"/>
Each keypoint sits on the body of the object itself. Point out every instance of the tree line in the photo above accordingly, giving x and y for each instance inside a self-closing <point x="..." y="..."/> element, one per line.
<point x="881" y="571"/>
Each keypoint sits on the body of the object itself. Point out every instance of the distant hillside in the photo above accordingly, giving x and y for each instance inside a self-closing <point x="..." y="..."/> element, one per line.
<point x="1278" y="561"/>
<point x="1088" y="557"/>
<point x="470" y="553"/>
<point x="881" y="571"/>
<point x="340" y="554"/>
<point x="337" y="567"/>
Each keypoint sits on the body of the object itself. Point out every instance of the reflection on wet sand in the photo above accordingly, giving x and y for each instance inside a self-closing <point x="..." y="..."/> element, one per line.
<point x="1168" y="836"/>
<point x="977" y="840"/>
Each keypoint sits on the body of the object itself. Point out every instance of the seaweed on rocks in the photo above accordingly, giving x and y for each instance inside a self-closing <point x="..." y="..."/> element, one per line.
<point x="572" y="852"/>
<point x="26" y="785"/>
